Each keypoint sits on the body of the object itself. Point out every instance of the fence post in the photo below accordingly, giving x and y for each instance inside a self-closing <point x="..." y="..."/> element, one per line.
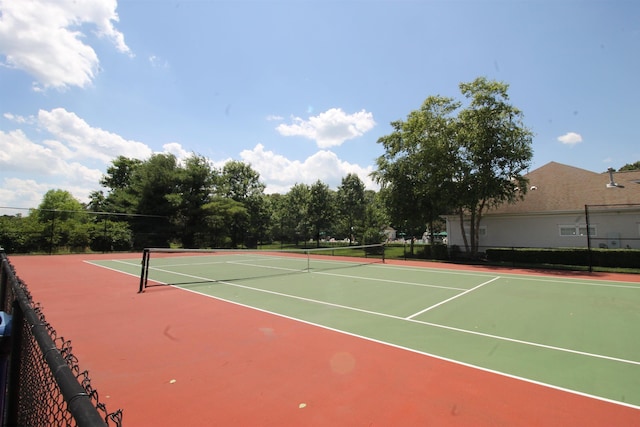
<point x="589" y="253"/>
<point x="13" y="385"/>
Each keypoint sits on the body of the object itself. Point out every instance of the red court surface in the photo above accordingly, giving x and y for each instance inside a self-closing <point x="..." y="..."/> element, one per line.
<point x="169" y="357"/>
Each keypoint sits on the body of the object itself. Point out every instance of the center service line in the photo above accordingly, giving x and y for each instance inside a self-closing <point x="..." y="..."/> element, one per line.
<point x="452" y="298"/>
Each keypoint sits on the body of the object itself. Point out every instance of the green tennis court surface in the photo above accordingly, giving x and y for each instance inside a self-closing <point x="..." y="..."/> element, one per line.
<point x="575" y="334"/>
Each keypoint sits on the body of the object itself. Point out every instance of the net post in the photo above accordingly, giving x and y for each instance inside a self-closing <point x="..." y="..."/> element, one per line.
<point x="144" y="273"/>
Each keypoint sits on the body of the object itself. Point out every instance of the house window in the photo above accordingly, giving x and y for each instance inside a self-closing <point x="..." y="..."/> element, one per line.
<point x="482" y="231"/>
<point x="577" y="230"/>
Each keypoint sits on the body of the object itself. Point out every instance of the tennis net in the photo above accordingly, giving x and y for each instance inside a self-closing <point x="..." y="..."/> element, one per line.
<point x="170" y="266"/>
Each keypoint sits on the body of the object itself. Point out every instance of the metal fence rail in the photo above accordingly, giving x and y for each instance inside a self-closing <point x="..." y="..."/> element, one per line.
<point x="42" y="384"/>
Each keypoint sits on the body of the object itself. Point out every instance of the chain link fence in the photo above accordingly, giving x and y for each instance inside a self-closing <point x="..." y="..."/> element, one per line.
<point x="63" y="231"/>
<point x="42" y="382"/>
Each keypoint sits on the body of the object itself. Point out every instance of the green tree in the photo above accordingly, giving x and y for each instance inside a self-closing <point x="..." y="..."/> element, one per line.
<point x="350" y="206"/>
<point x="630" y="167"/>
<point x="443" y="159"/>
<point x="416" y="170"/>
<point x="494" y="152"/>
<point x="107" y="235"/>
<point x="225" y="220"/>
<point x="375" y="218"/>
<point x="296" y="218"/>
<point x="153" y="187"/>
<point x="118" y="181"/>
<point x="321" y="209"/>
<point x="275" y="205"/>
<point x="20" y="234"/>
<point x="239" y="182"/>
<point x="63" y="218"/>
<point x="196" y="183"/>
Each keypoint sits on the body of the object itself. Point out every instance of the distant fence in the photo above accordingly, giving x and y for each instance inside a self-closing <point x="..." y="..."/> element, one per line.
<point x="42" y="384"/>
<point x="61" y="231"/>
<point x="615" y="226"/>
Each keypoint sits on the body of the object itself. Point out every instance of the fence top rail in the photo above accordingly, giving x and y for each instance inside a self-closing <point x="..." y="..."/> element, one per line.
<point x="81" y="399"/>
<point x="615" y="205"/>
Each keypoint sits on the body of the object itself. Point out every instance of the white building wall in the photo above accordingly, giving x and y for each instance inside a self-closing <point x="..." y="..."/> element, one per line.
<point x="612" y="229"/>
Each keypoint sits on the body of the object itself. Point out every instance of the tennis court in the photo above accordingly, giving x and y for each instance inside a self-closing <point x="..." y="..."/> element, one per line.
<point x="574" y="334"/>
<point x="261" y="338"/>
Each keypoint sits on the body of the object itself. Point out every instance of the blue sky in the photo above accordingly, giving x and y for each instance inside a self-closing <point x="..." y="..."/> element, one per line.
<point x="300" y="89"/>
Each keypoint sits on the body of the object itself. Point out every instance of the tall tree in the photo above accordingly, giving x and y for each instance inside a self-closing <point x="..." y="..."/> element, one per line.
<point x="350" y="205"/>
<point x="225" y="220"/>
<point x="239" y="182"/>
<point x="196" y="183"/>
<point x="296" y="212"/>
<point x="276" y="218"/>
<point x="416" y="171"/>
<point x="321" y="208"/>
<point x="375" y="218"/>
<point x="494" y="152"/>
<point x="153" y="187"/>
<point x="117" y="180"/>
<point x="64" y="219"/>
<point x="120" y="172"/>
<point x="443" y="159"/>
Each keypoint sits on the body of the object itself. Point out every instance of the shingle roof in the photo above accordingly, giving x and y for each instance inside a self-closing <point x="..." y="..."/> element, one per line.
<point x="555" y="187"/>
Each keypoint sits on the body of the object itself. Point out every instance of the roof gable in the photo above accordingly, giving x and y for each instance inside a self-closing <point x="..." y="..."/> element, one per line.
<point x="555" y="187"/>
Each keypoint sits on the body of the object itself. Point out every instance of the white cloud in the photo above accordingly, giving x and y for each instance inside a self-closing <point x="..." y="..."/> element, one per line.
<point x="19" y="154"/>
<point x="18" y="119"/>
<point x="177" y="150"/>
<point x="21" y="193"/>
<point x="44" y="38"/>
<point x="280" y="173"/>
<point x="48" y="161"/>
<point x="331" y="128"/>
<point x="73" y="159"/>
<point x="157" y="62"/>
<point x="72" y="155"/>
<point x="88" y="142"/>
<point x="570" y="138"/>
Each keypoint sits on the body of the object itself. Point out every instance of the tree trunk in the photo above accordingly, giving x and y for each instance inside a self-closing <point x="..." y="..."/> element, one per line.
<point x="464" y="234"/>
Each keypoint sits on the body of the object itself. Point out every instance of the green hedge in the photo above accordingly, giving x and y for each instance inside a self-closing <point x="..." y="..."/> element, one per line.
<point x="426" y="252"/>
<point x="621" y="258"/>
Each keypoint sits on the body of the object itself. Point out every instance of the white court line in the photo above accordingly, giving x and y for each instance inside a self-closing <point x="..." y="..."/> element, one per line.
<point x="435" y="325"/>
<point x="272" y="267"/>
<point x="348" y="276"/>
<point x="452" y="298"/>
<point x="528" y="380"/>
<point x="424" y="353"/>
<point x="399" y="282"/>
<point x="409" y="319"/>
<point x="547" y="279"/>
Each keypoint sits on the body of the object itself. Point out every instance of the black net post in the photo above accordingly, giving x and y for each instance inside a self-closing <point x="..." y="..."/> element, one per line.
<point x="144" y="273"/>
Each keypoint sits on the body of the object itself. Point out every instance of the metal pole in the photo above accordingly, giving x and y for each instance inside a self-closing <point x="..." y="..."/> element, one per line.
<point x="53" y="228"/>
<point x="586" y="215"/>
<point x="145" y="270"/>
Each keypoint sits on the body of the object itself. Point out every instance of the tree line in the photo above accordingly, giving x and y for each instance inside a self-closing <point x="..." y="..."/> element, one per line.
<point x="458" y="158"/>
<point x="161" y="201"/>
